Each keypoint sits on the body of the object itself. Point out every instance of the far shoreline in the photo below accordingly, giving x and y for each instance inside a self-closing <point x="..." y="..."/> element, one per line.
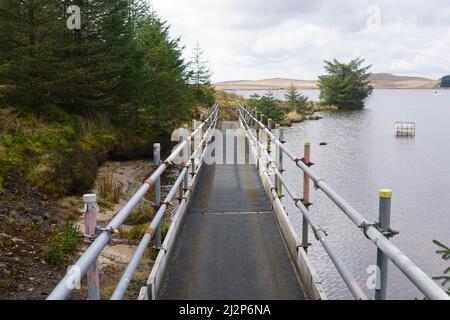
<point x="310" y="88"/>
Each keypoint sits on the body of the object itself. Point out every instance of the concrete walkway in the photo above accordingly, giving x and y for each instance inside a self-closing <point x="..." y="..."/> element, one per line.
<point x="229" y="246"/>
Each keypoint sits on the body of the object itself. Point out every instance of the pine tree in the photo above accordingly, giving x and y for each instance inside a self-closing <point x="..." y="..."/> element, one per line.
<point x="270" y="107"/>
<point x="296" y="101"/>
<point x="201" y="78"/>
<point x="345" y="85"/>
<point x="162" y="84"/>
<point x="122" y="62"/>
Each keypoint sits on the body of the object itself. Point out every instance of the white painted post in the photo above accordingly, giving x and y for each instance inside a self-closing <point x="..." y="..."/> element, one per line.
<point x="90" y="230"/>
<point x="157" y="160"/>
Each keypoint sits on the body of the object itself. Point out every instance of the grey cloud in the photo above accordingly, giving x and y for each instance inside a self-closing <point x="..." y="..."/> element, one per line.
<point x="265" y="38"/>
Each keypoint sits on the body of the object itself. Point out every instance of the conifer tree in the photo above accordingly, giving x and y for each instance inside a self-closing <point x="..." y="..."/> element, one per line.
<point x="346" y="85"/>
<point x="296" y="101"/>
<point x="201" y="77"/>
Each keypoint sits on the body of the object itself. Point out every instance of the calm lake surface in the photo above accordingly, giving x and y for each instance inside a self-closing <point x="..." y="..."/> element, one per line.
<point x="362" y="156"/>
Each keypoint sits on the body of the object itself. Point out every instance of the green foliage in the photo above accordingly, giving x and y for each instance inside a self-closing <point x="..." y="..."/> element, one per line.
<point x="63" y="244"/>
<point x="445" y="82"/>
<point x="77" y="97"/>
<point x="444" y="251"/>
<point x="296" y="101"/>
<point x="201" y="78"/>
<point x="268" y="106"/>
<point x="136" y="232"/>
<point x="345" y="85"/>
<point x="140" y="215"/>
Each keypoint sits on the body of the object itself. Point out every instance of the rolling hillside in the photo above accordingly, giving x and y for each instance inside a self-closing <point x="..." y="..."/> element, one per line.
<point x="379" y="81"/>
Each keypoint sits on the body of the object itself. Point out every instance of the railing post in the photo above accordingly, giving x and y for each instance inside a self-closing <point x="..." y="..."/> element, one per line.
<point x="157" y="160"/>
<point x="90" y="230"/>
<point x="188" y="151"/>
<point x="279" y="159"/>
<point x="269" y="140"/>
<point x="182" y="185"/>
<point x="258" y="146"/>
<point x="384" y="225"/>
<point x="306" y="199"/>
<point x="193" y="146"/>
<point x="186" y="175"/>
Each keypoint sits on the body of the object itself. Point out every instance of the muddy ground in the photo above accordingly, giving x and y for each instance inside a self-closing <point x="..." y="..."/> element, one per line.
<point x="28" y="219"/>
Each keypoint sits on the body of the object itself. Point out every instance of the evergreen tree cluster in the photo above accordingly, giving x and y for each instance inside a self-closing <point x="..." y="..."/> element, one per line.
<point x="71" y="99"/>
<point x="268" y="106"/>
<point x="445" y="82"/>
<point x="346" y="85"/>
<point x="121" y="62"/>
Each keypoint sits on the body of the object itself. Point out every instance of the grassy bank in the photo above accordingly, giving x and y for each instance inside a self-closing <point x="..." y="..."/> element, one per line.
<point x="58" y="153"/>
<point x="229" y="103"/>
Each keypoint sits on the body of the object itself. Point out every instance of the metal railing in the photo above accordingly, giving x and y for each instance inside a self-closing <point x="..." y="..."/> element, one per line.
<point x="378" y="233"/>
<point x="102" y="239"/>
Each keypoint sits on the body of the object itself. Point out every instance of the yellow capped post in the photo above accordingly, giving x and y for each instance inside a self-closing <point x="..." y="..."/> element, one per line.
<point x="385" y="193"/>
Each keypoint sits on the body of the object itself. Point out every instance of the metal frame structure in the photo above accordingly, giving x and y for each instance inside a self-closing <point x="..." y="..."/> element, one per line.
<point x="102" y="239"/>
<point x="376" y="232"/>
<point x="405" y="129"/>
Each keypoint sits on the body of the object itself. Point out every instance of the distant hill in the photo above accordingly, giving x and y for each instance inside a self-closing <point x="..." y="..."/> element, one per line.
<point x="392" y="77"/>
<point x="379" y="81"/>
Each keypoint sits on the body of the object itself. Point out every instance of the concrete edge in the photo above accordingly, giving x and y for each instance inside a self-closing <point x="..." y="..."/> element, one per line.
<point x="309" y="279"/>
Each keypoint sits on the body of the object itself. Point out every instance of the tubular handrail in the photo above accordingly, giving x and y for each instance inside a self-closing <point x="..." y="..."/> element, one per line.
<point x="321" y="235"/>
<point x="422" y="281"/>
<point x="134" y="263"/>
<point x="67" y="285"/>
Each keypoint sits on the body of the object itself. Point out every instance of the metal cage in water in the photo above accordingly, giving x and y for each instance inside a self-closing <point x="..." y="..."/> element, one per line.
<point x="405" y="129"/>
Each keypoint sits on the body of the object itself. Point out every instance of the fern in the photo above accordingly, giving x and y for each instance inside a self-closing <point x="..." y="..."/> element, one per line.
<point x="443" y="251"/>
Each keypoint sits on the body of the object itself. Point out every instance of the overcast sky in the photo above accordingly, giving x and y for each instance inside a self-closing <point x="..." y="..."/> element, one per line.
<point x="257" y="39"/>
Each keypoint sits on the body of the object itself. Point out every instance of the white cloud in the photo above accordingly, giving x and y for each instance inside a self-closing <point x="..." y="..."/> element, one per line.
<point x="256" y="39"/>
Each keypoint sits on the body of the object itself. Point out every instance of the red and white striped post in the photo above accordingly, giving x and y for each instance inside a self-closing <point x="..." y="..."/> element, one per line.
<point x="90" y="227"/>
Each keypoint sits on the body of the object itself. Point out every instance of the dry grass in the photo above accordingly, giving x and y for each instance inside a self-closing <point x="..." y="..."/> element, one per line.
<point x="141" y="214"/>
<point x="295" y="117"/>
<point x="9" y="120"/>
<point x="318" y="107"/>
<point x="109" y="188"/>
<point x="228" y="103"/>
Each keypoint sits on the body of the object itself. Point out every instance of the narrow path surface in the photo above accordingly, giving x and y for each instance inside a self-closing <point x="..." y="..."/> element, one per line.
<point x="229" y="246"/>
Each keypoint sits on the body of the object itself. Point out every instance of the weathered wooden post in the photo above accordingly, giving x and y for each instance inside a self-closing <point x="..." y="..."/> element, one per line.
<point x="384" y="225"/>
<point x="306" y="199"/>
<point x="90" y="230"/>
<point x="157" y="160"/>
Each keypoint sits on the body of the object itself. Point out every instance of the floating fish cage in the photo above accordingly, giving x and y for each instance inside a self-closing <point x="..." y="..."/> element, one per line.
<point x="405" y="129"/>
